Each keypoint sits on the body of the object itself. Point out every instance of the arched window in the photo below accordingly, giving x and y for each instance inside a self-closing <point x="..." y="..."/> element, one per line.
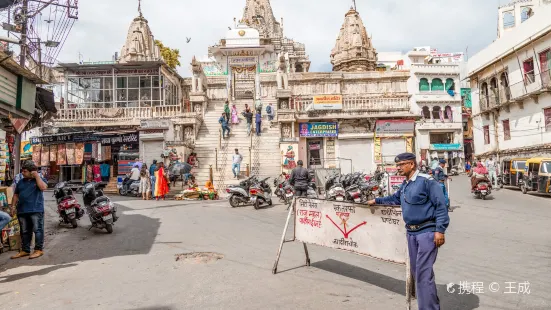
<point x="448" y="113"/>
<point x="504" y="81"/>
<point x="493" y="90"/>
<point x="424" y="85"/>
<point x="426" y="112"/>
<point x="484" y="99"/>
<point x="436" y="113"/>
<point x="525" y="13"/>
<point x="437" y="85"/>
<point x="450" y="85"/>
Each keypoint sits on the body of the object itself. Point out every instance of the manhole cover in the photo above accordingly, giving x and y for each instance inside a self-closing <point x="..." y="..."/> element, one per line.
<point x="199" y="257"/>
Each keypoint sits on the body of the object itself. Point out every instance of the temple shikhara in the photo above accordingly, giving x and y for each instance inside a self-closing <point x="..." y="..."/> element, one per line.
<point x="254" y="64"/>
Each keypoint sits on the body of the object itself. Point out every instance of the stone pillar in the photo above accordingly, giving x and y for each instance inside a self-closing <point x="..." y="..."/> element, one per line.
<point x="193" y="84"/>
<point x="199" y="84"/>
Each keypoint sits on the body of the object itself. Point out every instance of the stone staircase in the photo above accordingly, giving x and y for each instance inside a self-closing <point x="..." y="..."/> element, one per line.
<point x="262" y="153"/>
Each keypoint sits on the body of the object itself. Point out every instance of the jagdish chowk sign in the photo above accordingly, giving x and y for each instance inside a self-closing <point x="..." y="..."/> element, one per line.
<point x="319" y="130"/>
<point x="327" y="102"/>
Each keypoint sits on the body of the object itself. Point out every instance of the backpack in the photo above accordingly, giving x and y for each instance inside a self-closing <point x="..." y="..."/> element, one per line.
<point x="269" y="109"/>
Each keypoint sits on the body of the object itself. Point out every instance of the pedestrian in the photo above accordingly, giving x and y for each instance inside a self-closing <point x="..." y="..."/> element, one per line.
<point x="28" y="199"/>
<point x="152" y="170"/>
<point x="227" y="111"/>
<point x="258" y="120"/>
<point x="234" y="115"/>
<point x="270" y="112"/>
<point x="492" y="168"/>
<point x="434" y="164"/>
<point x="145" y="183"/>
<point x="300" y="179"/>
<point x="468" y="167"/>
<point x="105" y="171"/>
<point x="249" y="117"/>
<point x="237" y="159"/>
<point x="426" y="217"/>
<point x="224" y="122"/>
<point x="247" y="108"/>
<point x="441" y="177"/>
<point x="161" y="182"/>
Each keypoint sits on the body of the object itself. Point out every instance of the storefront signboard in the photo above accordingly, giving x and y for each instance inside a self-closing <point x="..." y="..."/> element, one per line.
<point x="445" y="147"/>
<point x="308" y="130"/>
<point x="130" y="138"/>
<point x="327" y="102"/>
<point x="244" y="60"/>
<point x="155" y="124"/>
<point x="394" y="127"/>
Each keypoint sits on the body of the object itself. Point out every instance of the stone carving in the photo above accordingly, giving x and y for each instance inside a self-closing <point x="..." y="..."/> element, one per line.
<point x="286" y="130"/>
<point x="199" y="80"/>
<point x="353" y="50"/>
<point x="356" y="126"/>
<point x="284" y="105"/>
<point x="188" y="134"/>
<point x="282" y="71"/>
<point x="140" y="43"/>
<point x="111" y="113"/>
<point x="198" y="108"/>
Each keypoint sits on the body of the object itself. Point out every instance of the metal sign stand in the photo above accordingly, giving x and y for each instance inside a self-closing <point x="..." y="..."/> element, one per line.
<point x="291" y="211"/>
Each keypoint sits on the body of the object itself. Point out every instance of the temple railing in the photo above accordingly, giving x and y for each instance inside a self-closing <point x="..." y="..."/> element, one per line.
<point x="118" y="114"/>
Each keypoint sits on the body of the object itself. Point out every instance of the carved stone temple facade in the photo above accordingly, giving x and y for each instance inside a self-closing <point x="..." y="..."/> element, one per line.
<point x="354" y="118"/>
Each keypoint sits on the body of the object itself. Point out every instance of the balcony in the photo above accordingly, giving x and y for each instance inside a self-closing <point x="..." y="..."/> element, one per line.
<point x="352" y="107"/>
<point x="435" y="69"/>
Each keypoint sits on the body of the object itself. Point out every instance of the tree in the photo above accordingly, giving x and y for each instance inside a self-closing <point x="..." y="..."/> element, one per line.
<point x="171" y="56"/>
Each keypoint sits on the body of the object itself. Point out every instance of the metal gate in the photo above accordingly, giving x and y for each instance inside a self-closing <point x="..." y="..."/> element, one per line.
<point x="244" y="84"/>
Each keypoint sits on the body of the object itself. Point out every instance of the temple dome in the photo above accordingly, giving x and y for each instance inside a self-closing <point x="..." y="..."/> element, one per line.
<point x="140" y="43"/>
<point x="353" y="49"/>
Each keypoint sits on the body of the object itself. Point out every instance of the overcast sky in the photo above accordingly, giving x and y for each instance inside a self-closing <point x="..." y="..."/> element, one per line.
<point x="396" y="25"/>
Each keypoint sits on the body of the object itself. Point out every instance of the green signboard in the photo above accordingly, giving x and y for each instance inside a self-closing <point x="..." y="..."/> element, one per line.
<point x="466" y="97"/>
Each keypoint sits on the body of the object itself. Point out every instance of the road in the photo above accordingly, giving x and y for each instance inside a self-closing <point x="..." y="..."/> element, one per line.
<point x="504" y="239"/>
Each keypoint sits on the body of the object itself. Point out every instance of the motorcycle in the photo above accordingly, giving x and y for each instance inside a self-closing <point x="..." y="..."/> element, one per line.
<point x="239" y="194"/>
<point x="260" y="193"/>
<point x="129" y="188"/>
<point x="336" y="191"/>
<point x="454" y="170"/>
<point x="482" y="190"/>
<point x="100" y="209"/>
<point x="68" y="208"/>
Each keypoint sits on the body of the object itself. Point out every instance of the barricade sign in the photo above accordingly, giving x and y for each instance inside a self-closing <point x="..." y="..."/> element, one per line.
<point x="374" y="231"/>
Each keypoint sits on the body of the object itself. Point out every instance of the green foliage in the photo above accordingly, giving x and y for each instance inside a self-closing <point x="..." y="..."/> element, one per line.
<point x="171" y="56"/>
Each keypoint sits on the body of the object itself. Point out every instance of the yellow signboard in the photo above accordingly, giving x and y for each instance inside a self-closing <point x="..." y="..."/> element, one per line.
<point x="327" y="102"/>
<point x="378" y="151"/>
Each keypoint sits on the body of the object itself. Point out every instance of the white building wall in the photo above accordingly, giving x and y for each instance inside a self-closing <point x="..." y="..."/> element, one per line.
<point x="516" y="8"/>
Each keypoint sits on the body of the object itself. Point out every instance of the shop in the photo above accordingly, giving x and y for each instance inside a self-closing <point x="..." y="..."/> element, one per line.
<point x="153" y="134"/>
<point x="318" y="140"/>
<point x="393" y="137"/>
<point x="80" y="157"/>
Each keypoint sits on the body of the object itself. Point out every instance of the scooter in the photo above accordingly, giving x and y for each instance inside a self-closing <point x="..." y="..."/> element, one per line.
<point x="101" y="210"/>
<point x="482" y="190"/>
<point x="336" y="192"/>
<point x="68" y="208"/>
<point x="260" y="193"/>
<point x="239" y="194"/>
<point x="132" y="189"/>
<point x="454" y="170"/>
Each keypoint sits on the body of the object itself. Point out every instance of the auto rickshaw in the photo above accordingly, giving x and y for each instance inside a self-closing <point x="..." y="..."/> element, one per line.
<point x="512" y="171"/>
<point x="537" y="176"/>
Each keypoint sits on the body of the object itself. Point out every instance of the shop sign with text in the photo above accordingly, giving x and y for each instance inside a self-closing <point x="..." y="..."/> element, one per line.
<point x="319" y="129"/>
<point x="394" y="127"/>
<point x="327" y="102"/>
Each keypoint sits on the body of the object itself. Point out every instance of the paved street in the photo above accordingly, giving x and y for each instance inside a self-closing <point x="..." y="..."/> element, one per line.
<point x="505" y="239"/>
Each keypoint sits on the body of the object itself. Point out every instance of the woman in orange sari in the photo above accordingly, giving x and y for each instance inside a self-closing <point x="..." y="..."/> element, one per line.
<point x="161" y="184"/>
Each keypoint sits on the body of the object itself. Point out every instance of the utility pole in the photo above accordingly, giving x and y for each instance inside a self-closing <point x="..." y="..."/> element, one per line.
<point x="22" y="56"/>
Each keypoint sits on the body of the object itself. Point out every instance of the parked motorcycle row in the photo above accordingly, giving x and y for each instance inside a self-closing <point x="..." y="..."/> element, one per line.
<point x="356" y="187"/>
<point x="285" y="191"/>
<point x="100" y="209"/>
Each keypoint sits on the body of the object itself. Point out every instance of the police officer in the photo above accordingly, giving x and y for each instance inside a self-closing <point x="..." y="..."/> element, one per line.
<point x="426" y="217"/>
<point x="441" y="177"/>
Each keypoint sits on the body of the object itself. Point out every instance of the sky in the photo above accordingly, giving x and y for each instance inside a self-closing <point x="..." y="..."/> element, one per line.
<point x="395" y="25"/>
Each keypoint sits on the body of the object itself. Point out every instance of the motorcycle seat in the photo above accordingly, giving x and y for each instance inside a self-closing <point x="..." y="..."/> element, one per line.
<point x="101" y="199"/>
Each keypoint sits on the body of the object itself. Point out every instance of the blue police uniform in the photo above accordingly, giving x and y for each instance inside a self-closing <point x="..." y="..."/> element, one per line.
<point x="441" y="177"/>
<point x="425" y="212"/>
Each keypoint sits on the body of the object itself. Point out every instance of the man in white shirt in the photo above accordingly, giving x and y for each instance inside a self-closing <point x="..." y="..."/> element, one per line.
<point x="237" y="159"/>
<point x="492" y="168"/>
<point x="134" y="175"/>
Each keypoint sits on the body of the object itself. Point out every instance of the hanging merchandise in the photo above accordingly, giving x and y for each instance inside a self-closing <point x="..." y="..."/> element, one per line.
<point x="45" y="156"/>
<point x="87" y="151"/>
<point x="70" y="151"/>
<point x="37" y="151"/>
<point x="95" y="151"/>
<point x="53" y="152"/>
<point x="61" y="155"/>
<point x="79" y="153"/>
<point x="106" y="152"/>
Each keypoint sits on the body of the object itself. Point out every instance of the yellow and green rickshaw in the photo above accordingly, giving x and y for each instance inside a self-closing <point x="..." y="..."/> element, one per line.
<point x="512" y="171"/>
<point x="537" y="176"/>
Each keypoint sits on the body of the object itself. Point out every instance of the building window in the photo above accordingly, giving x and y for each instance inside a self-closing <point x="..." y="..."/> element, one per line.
<point x="506" y="130"/>
<point x="450" y="85"/>
<point x="547" y="116"/>
<point x="486" y="130"/>
<point x="424" y="85"/>
<point x="437" y="85"/>
<point x="508" y="19"/>
<point x="526" y="13"/>
<point x="504" y="80"/>
<point x="437" y="113"/>
<point x="426" y="112"/>
<point x="528" y="67"/>
<point x="441" y="138"/>
<point x="485" y="97"/>
<point x="545" y="66"/>
<point x="448" y="113"/>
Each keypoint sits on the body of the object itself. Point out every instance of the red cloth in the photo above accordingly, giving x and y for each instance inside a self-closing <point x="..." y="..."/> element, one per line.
<point x="97" y="173"/>
<point x="161" y="184"/>
<point x="480" y="169"/>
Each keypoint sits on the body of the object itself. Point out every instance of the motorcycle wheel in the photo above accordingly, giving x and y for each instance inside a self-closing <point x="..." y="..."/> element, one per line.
<point x="524" y="189"/>
<point x="109" y="228"/>
<point x="121" y="192"/>
<point x="257" y="204"/>
<point x="483" y="197"/>
<point x="270" y="203"/>
<point x="233" y="201"/>
<point x="74" y="223"/>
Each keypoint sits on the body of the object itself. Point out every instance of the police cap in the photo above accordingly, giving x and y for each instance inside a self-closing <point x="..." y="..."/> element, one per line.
<point x="404" y="157"/>
<point x="442" y="161"/>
